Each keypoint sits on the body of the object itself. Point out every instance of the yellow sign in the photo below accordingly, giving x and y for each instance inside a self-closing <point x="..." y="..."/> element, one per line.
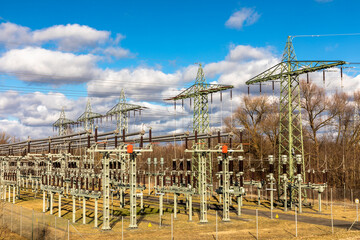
<point x="149" y="225"/>
<point x="277" y="216"/>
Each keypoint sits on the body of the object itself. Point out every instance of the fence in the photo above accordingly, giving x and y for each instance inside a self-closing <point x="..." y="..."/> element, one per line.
<point x="35" y="225"/>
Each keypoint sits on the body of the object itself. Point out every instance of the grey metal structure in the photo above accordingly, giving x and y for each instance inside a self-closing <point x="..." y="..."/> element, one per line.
<point x="121" y="110"/>
<point x="62" y="123"/>
<point x="87" y="118"/>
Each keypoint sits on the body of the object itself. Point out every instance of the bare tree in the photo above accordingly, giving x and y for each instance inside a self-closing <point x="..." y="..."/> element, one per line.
<point x="254" y="115"/>
<point x="4" y="138"/>
<point x="319" y="112"/>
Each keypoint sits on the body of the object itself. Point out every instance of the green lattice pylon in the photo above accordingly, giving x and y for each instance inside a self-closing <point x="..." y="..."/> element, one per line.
<point x="121" y="110"/>
<point x="201" y="122"/>
<point x="87" y="118"/>
<point x="290" y="129"/>
<point x="62" y="123"/>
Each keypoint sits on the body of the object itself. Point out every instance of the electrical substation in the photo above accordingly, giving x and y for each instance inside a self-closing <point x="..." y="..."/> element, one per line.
<point x="95" y="169"/>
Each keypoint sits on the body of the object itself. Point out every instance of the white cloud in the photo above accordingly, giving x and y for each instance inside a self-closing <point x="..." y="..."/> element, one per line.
<point x="116" y="52"/>
<point x="36" y="64"/>
<point x="71" y="37"/>
<point x="13" y="35"/>
<point x="243" y="17"/>
<point x="246" y="52"/>
<point x="140" y="83"/>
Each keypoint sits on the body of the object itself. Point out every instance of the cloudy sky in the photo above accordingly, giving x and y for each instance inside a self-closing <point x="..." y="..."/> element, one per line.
<point x="59" y="54"/>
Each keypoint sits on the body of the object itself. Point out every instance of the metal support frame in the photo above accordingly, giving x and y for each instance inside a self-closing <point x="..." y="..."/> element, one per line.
<point x="226" y="187"/>
<point x="106" y="192"/>
<point x="132" y="181"/>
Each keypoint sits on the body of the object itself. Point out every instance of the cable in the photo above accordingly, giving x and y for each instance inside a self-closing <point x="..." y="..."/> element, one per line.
<point x="327" y="35"/>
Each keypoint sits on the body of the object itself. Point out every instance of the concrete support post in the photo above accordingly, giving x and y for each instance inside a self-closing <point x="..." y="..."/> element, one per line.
<point x="239" y="206"/>
<point x="121" y="198"/>
<point x="319" y="197"/>
<point x="9" y="193"/>
<point x="14" y="188"/>
<point x="51" y="202"/>
<point x="59" y="205"/>
<point x="161" y="204"/>
<point x="73" y="209"/>
<point x="44" y="202"/>
<point x="96" y="214"/>
<point x="141" y="201"/>
<point x="190" y="207"/>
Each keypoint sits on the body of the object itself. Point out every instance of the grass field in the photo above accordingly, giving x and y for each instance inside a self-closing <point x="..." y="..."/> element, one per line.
<point x="240" y="227"/>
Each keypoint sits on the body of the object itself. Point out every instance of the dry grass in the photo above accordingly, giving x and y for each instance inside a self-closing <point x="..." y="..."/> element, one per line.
<point x="243" y="227"/>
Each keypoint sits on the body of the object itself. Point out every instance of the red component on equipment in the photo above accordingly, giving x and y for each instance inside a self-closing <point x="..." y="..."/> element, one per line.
<point x="224" y="149"/>
<point x="130" y="149"/>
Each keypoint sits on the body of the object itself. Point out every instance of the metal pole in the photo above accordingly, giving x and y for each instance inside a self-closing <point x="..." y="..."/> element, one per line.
<point x="106" y="193"/>
<point x="14" y="194"/>
<point x="132" y="163"/>
<point x="319" y="197"/>
<point x="239" y="206"/>
<point x="226" y="186"/>
<point x="357" y="214"/>
<point x="202" y="190"/>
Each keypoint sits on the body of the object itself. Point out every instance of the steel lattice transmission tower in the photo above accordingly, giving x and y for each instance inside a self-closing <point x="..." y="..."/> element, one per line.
<point x="120" y="111"/>
<point x="201" y="162"/>
<point x="290" y="131"/>
<point x="87" y="118"/>
<point x="62" y="123"/>
<point x="199" y="92"/>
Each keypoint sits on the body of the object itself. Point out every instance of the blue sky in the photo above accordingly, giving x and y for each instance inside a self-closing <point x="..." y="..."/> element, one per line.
<point x="159" y="41"/>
